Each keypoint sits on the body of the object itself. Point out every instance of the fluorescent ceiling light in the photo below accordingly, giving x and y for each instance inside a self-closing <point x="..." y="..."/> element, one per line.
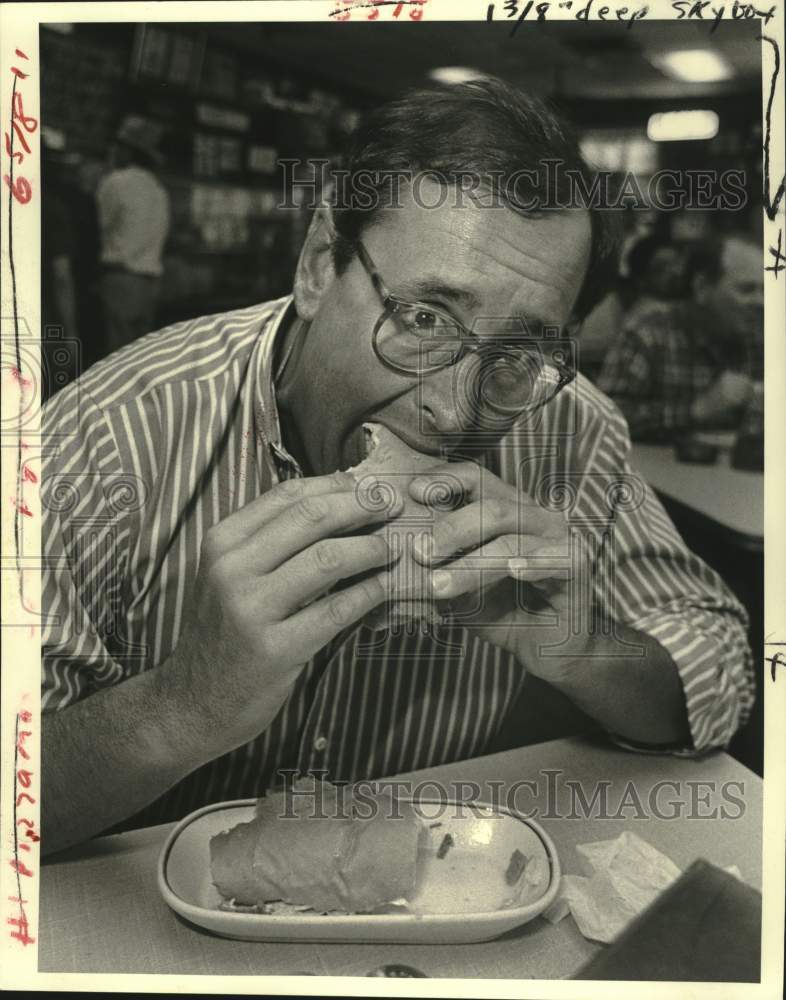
<point x="455" y="74"/>
<point x="693" y="65"/>
<point x="675" y="126"/>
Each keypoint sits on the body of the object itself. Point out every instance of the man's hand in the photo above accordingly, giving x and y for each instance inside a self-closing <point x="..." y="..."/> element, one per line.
<point x="480" y="554"/>
<point x="260" y="608"/>
<point x="502" y="546"/>
<point x="729" y="393"/>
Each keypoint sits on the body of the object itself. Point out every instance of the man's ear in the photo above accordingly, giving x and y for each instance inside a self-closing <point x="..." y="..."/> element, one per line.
<point x="315" y="272"/>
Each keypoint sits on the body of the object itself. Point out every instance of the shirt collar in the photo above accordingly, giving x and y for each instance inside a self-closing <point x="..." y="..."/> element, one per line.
<point x="271" y="453"/>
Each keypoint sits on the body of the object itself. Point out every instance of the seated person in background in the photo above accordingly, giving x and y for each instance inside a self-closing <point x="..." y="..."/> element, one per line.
<point x="693" y="364"/>
<point x="656" y="275"/>
<point x="650" y="277"/>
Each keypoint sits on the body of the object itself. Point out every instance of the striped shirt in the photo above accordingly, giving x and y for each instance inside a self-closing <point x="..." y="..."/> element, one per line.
<point x="175" y="432"/>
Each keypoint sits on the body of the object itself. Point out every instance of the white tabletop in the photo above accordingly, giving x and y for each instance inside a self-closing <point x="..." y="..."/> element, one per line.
<point x="729" y="497"/>
<point x="101" y="910"/>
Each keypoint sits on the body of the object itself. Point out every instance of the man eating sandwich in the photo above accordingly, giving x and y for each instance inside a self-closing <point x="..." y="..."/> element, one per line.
<point x="248" y="572"/>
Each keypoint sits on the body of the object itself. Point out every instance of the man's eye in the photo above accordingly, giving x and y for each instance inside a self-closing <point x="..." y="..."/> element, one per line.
<point x="421" y="321"/>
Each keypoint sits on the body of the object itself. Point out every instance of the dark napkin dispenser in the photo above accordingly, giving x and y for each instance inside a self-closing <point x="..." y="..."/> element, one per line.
<point x="705" y="928"/>
<point x="696" y="452"/>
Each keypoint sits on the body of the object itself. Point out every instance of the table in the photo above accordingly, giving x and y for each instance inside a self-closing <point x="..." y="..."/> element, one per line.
<point x="101" y="910"/>
<point x="730" y="498"/>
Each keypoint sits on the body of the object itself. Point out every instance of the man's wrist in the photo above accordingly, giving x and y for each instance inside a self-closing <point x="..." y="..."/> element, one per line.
<point x="183" y="729"/>
<point x="203" y="715"/>
<point x="628" y="683"/>
<point x="555" y="658"/>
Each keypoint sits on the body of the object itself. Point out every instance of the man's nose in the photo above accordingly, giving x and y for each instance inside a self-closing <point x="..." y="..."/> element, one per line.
<point x="439" y="409"/>
<point x="450" y="401"/>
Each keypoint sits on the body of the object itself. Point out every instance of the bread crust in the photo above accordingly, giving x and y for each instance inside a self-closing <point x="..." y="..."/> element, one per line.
<point x="319" y="852"/>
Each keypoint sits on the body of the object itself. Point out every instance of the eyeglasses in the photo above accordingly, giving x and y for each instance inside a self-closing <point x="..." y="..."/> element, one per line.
<point x="510" y="373"/>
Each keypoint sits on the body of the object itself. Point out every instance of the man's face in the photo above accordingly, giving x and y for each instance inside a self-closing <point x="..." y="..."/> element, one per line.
<point x="469" y="261"/>
<point x="739" y="294"/>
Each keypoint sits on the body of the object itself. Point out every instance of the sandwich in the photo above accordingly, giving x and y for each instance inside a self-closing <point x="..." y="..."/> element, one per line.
<point x="389" y="467"/>
<point x="312" y="848"/>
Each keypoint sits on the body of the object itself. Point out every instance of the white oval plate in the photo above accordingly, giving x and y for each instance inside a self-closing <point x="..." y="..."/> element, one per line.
<point x="459" y="898"/>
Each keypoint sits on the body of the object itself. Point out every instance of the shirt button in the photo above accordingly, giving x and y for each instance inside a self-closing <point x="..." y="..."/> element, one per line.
<point x="320" y="743"/>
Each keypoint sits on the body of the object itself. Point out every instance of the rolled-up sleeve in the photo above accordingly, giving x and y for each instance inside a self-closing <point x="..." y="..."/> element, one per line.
<point x="658" y="587"/>
<point x="79" y="549"/>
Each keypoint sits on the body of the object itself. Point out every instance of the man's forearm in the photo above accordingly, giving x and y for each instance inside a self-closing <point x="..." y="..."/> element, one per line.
<point x="108" y="756"/>
<point x="638" y="697"/>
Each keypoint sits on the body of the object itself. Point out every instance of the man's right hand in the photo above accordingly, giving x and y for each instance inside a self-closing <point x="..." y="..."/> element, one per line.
<point x="730" y="392"/>
<point x="260" y="610"/>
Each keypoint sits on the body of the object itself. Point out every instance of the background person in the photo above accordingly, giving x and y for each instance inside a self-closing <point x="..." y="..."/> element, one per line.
<point x="656" y="273"/>
<point x="134" y="216"/>
<point x="650" y="277"/>
<point x="693" y="364"/>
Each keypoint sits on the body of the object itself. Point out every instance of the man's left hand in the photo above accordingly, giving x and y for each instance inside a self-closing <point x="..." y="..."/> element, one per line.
<point x="495" y="557"/>
<point x="516" y="575"/>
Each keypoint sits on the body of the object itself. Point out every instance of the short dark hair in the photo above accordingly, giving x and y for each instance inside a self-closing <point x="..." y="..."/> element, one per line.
<point x="705" y="258"/>
<point x="137" y="156"/>
<point x="483" y="128"/>
<point x="643" y="250"/>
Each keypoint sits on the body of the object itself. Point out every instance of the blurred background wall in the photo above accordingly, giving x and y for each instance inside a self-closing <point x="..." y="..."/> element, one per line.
<point x="229" y="100"/>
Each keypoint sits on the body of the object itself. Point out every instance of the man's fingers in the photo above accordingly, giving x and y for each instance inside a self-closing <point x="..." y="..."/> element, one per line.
<point x="463" y="479"/>
<point x="502" y="557"/>
<point x="408" y="580"/>
<point x="243" y="523"/>
<point x="309" y="520"/>
<point x="320" y="567"/>
<point x="546" y="563"/>
<point x="465" y="528"/>
<point x="311" y="629"/>
<point x="479" y="522"/>
<point x="466" y="481"/>
<point x="480" y="568"/>
<point x="491" y="508"/>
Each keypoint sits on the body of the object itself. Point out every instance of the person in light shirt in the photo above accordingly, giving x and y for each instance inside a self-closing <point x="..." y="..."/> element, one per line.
<point x="134" y="217"/>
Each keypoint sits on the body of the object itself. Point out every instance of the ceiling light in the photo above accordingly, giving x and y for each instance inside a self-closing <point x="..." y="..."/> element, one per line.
<point x="676" y="126"/>
<point x="455" y="74"/>
<point x="693" y="65"/>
